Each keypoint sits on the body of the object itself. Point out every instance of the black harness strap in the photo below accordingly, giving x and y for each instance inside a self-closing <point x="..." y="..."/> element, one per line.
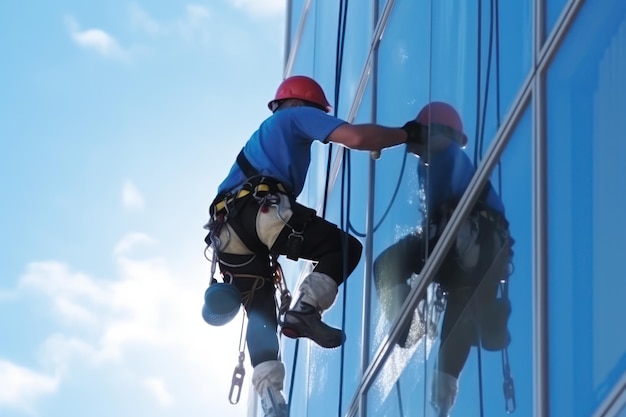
<point x="295" y="239"/>
<point x="246" y="166"/>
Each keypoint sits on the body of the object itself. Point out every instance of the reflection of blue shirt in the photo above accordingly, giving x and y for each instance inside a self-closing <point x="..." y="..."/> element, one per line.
<point x="281" y="147"/>
<point x="447" y="176"/>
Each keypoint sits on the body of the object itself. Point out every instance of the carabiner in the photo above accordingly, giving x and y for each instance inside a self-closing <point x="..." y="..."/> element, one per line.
<point x="237" y="382"/>
<point x="509" y="395"/>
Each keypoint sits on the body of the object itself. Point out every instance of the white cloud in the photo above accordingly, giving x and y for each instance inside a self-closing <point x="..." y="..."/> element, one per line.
<point x="124" y="330"/>
<point x="21" y="386"/>
<point x="60" y="351"/>
<point x="196" y="13"/>
<point x="142" y="20"/>
<point x="131" y="197"/>
<point x="266" y="8"/>
<point x="68" y="291"/>
<point x="130" y="241"/>
<point x="195" y="23"/>
<point x="95" y="39"/>
<point x="7" y="295"/>
<point x="192" y="25"/>
<point x="156" y="386"/>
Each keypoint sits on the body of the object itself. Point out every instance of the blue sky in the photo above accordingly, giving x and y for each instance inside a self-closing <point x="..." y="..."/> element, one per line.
<point x="118" y="120"/>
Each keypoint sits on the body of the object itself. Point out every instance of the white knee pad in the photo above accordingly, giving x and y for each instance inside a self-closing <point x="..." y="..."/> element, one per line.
<point x="444" y="391"/>
<point x="319" y="290"/>
<point x="271" y="222"/>
<point x="269" y="374"/>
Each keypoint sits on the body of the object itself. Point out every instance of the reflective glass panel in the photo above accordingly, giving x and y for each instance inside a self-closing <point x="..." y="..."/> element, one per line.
<point x="586" y="104"/>
<point x="357" y="38"/>
<point x="402" y="75"/>
<point x="468" y="304"/>
<point x="398" y="389"/>
<point x="553" y="10"/>
<point x="297" y="7"/>
<point x="497" y="379"/>
<point x="481" y="53"/>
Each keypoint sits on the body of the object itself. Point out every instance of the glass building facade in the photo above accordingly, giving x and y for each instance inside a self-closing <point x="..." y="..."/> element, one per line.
<point x="540" y="86"/>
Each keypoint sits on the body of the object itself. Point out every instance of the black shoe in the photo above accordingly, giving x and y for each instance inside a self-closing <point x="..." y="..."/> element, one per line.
<point x="305" y="321"/>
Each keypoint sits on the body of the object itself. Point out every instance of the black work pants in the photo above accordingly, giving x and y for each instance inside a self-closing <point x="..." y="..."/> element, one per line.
<point x="335" y="252"/>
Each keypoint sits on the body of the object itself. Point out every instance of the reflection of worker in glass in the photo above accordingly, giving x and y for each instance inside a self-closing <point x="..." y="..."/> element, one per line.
<point x="472" y="270"/>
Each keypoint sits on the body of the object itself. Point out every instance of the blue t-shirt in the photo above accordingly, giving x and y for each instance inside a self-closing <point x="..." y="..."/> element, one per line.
<point x="281" y="147"/>
<point x="449" y="174"/>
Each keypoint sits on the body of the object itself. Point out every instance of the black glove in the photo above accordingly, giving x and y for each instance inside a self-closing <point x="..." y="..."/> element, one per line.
<point x="416" y="133"/>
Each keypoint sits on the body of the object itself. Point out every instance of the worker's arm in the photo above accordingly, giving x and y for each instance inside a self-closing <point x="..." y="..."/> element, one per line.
<point x="373" y="137"/>
<point x="367" y="137"/>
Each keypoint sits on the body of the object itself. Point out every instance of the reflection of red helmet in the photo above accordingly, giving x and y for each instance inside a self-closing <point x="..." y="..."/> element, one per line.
<point x="443" y="117"/>
<point x="302" y="88"/>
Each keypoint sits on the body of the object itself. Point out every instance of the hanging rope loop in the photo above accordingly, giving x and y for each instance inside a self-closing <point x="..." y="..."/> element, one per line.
<point x="240" y="372"/>
<point x="237" y="381"/>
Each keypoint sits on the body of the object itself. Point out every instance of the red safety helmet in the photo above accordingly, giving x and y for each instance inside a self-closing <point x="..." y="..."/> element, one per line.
<point x="302" y="88"/>
<point x="443" y="118"/>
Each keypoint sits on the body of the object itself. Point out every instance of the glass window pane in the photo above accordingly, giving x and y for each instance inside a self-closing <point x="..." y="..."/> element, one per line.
<point x="356" y="45"/>
<point x="586" y="104"/>
<point x="554" y="8"/>
<point x="479" y="257"/>
<point x="493" y="314"/>
<point x="316" y="54"/>
<point x="402" y="84"/>
<point x="297" y="7"/>
<point x="480" y="57"/>
<point x="398" y="389"/>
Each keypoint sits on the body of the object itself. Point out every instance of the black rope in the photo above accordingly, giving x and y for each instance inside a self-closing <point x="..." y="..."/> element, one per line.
<point x="388" y="209"/>
<point x="341" y="34"/>
<point x="345" y="211"/>
<point x="480" y="131"/>
<point x="400" y="407"/>
<point x="339" y="53"/>
<point x="494" y="29"/>
<point x="481" y="137"/>
<point x="498" y="115"/>
<point x="293" y="373"/>
<point x="510" y="404"/>
<point x="478" y="81"/>
<point x="480" y="377"/>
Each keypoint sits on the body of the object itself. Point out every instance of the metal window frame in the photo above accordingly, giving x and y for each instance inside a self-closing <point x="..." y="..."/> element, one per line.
<point x="291" y="48"/>
<point x="615" y="402"/>
<point x="546" y="47"/>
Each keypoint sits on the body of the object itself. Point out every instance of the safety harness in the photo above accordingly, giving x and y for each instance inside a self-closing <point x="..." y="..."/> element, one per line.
<point x="264" y="190"/>
<point x="486" y="218"/>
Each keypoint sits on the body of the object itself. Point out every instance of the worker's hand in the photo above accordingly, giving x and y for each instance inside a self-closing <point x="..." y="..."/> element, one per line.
<point x="416" y="136"/>
<point x="416" y="133"/>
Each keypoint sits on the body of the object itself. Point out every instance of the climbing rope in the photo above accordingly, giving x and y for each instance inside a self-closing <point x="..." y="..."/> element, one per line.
<point x="391" y="201"/>
<point x="341" y="35"/>
<point x="341" y="30"/>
